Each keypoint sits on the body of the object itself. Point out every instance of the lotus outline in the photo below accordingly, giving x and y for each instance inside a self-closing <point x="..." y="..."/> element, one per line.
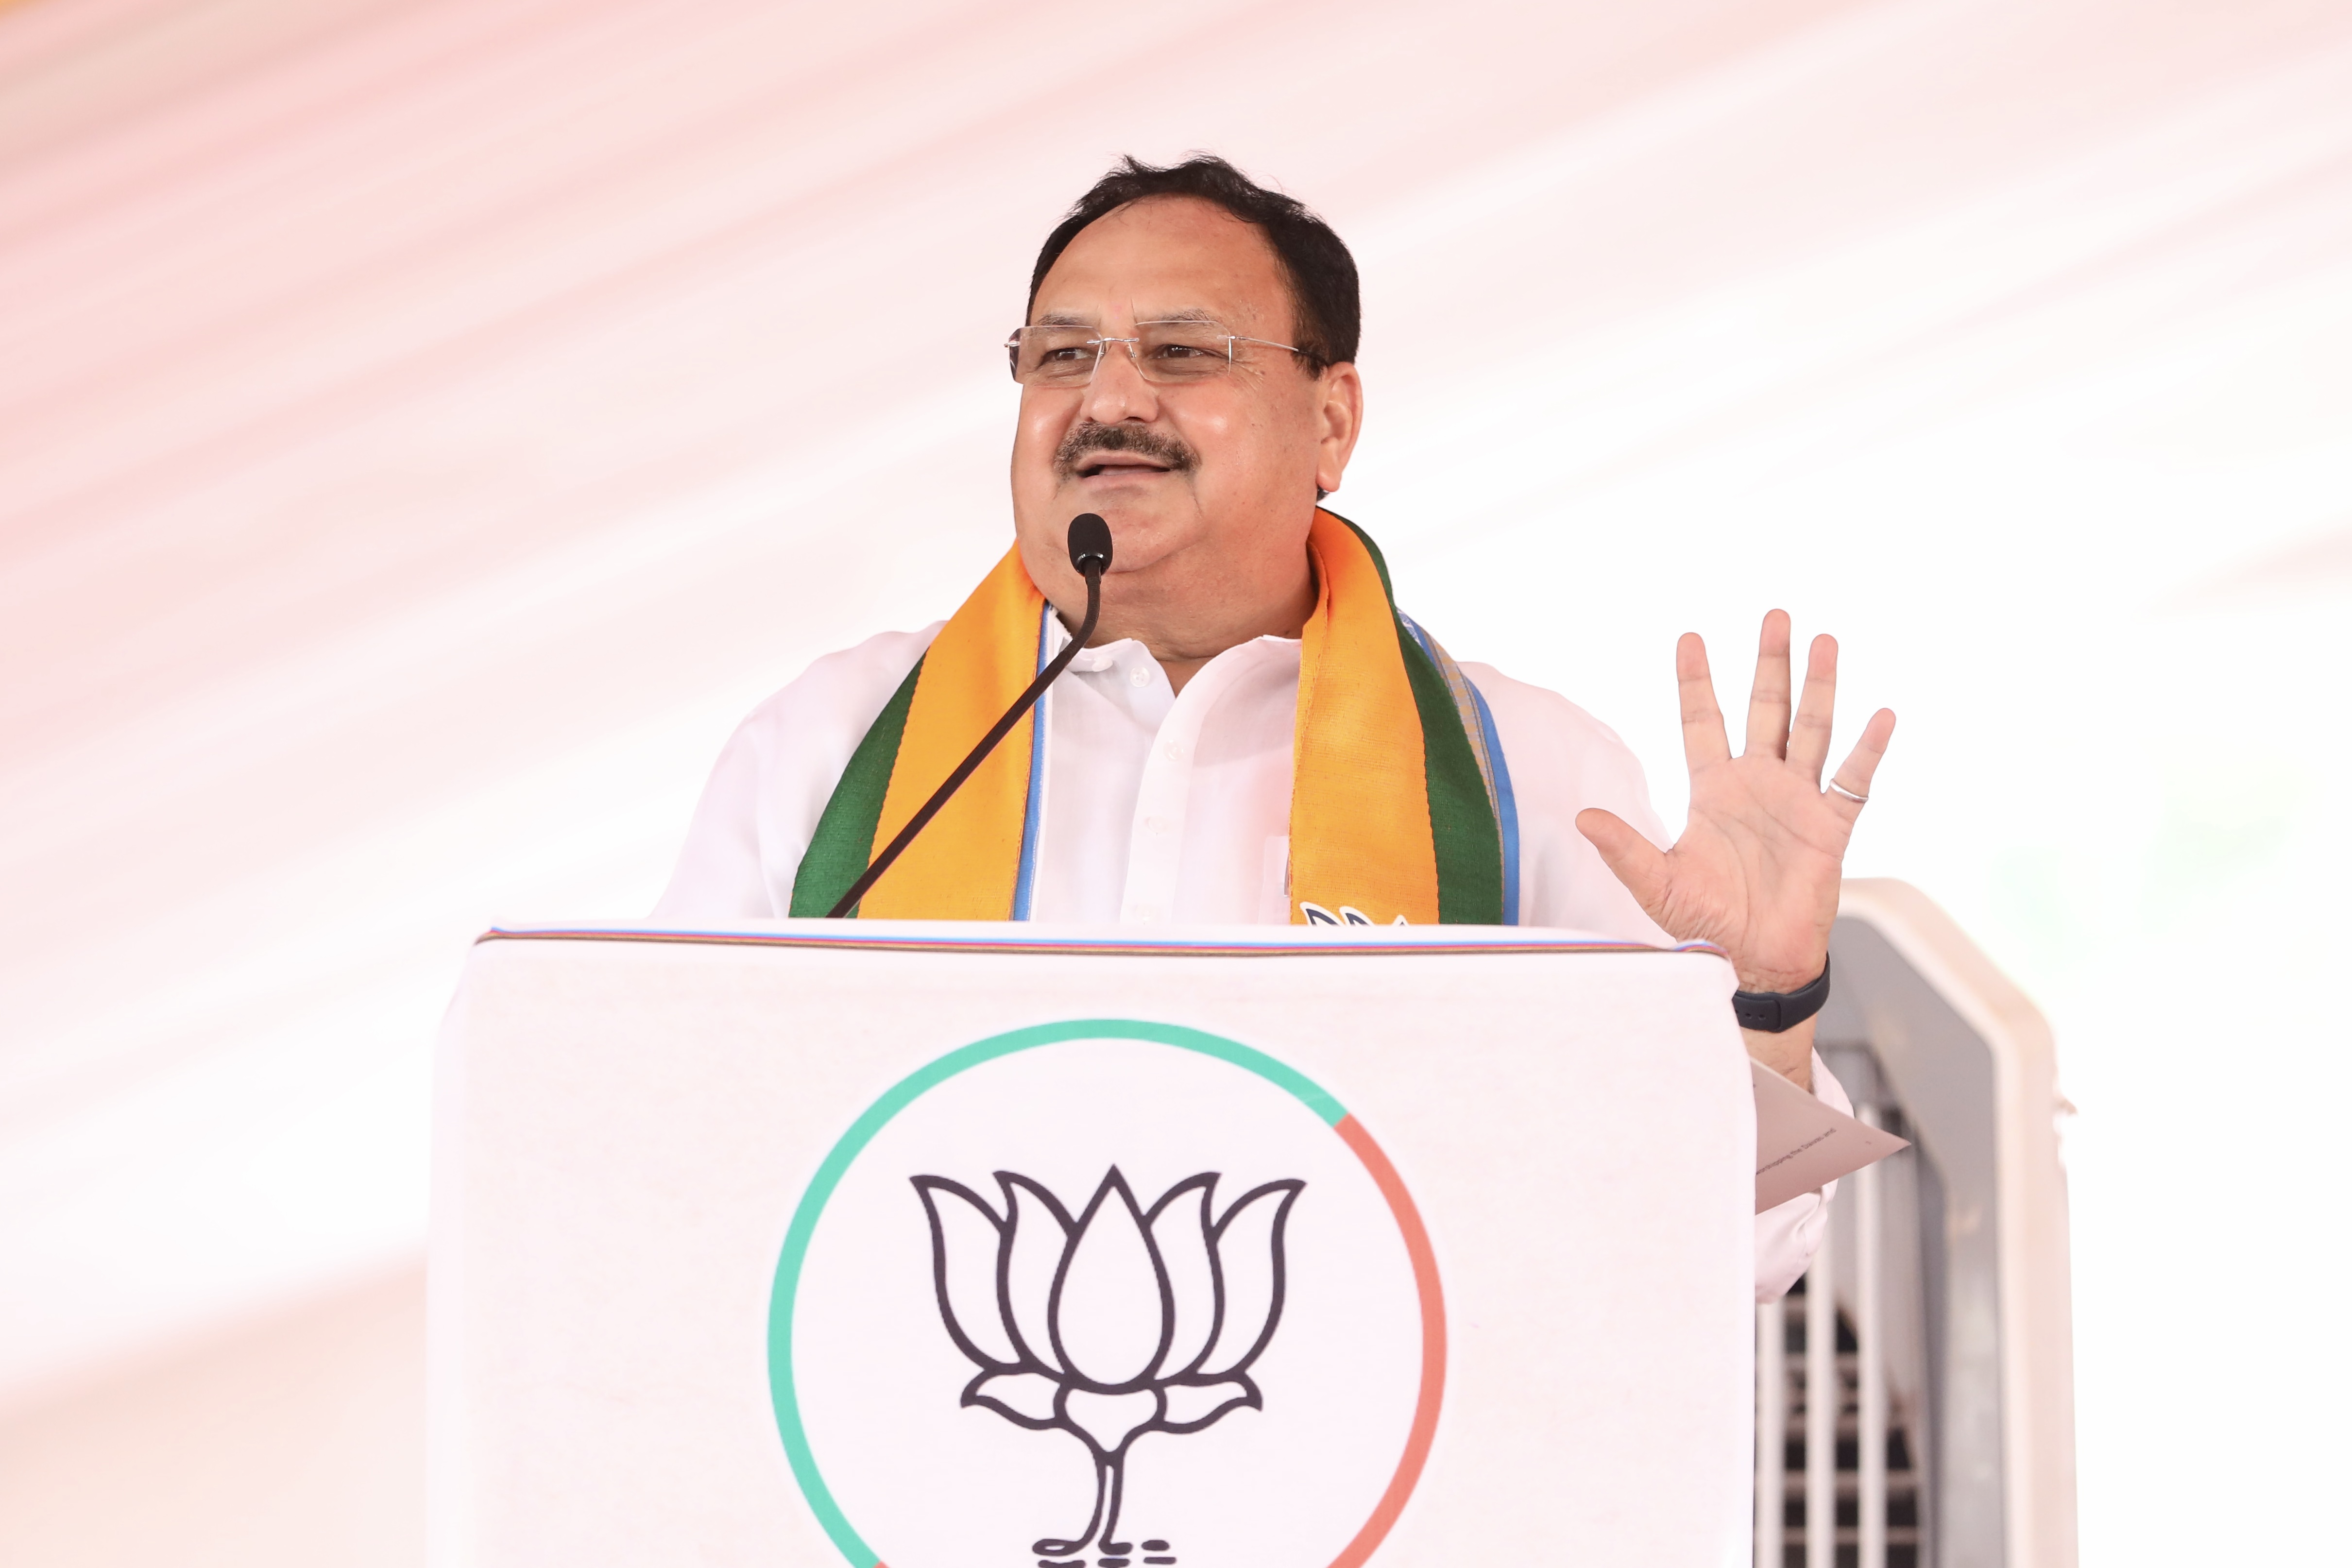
<point x="1121" y="1321"/>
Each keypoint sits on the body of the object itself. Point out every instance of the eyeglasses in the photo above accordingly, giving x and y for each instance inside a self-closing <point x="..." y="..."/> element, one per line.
<point x="1168" y="353"/>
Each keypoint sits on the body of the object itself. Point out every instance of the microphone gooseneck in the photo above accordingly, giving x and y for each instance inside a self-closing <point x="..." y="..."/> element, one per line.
<point x="1089" y="541"/>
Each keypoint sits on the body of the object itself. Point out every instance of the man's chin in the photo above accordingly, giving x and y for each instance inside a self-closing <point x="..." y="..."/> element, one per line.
<point x="1145" y="524"/>
<point x="1128" y="503"/>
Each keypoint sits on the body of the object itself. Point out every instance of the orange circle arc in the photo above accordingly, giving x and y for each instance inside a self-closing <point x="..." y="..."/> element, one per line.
<point x="1432" y="1346"/>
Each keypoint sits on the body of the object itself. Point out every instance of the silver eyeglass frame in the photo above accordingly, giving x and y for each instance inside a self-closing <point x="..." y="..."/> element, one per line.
<point x="1098" y="344"/>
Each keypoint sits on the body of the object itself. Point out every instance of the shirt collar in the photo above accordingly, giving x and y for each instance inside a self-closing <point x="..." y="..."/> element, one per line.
<point x="1113" y="654"/>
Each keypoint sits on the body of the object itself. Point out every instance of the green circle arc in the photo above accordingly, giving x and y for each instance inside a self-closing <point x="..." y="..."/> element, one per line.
<point x="861" y="1132"/>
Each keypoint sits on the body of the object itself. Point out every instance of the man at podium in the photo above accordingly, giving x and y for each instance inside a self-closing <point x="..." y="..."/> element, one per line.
<point x="1255" y="732"/>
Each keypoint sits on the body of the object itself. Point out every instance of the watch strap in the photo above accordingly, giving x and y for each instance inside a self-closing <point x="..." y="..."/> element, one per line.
<point x="1775" y="1011"/>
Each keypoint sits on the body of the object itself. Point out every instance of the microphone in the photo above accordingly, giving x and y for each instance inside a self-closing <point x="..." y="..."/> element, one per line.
<point x="1090" y="556"/>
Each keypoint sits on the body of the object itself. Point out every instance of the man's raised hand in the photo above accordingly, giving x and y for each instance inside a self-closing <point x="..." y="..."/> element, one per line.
<point x="1757" y="869"/>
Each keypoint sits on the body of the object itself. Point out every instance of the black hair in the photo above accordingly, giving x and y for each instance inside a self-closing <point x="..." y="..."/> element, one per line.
<point x="1315" y="261"/>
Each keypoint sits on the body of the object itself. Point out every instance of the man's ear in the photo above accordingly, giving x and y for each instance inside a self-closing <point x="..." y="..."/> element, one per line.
<point x="1341" y="415"/>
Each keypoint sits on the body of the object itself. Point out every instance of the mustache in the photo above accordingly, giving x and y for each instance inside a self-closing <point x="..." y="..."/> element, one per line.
<point x="1089" y="437"/>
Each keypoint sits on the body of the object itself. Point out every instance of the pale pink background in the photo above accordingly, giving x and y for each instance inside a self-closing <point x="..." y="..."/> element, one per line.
<point x="426" y="427"/>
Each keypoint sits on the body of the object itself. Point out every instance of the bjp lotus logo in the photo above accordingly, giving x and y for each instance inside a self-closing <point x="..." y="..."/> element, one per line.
<point x="1121" y="1321"/>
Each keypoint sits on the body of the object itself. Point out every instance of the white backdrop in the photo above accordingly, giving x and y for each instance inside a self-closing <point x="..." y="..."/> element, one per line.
<point x="428" y="426"/>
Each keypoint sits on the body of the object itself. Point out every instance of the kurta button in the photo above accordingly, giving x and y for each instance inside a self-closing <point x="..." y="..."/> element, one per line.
<point x="1175" y="751"/>
<point x="1139" y="676"/>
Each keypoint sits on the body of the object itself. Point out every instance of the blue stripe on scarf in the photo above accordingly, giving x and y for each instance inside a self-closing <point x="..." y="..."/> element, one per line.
<point x="1033" y="822"/>
<point x="1507" y="807"/>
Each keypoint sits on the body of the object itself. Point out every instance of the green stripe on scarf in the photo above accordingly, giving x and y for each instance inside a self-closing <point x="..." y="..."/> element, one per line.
<point x="844" y="844"/>
<point x="1461" y="806"/>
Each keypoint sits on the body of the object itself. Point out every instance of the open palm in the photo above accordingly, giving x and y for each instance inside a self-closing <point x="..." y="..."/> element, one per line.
<point x="1756" y="868"/>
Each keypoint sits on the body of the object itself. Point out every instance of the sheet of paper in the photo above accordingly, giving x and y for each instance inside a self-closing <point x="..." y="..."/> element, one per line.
<point x="1802" y="1144"/>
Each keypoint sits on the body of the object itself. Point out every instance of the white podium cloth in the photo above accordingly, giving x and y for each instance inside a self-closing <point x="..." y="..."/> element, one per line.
<point x="896" y="1244"/>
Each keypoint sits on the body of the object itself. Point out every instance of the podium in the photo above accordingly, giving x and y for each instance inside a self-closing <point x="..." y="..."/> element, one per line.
<point x="954" y="1246"/>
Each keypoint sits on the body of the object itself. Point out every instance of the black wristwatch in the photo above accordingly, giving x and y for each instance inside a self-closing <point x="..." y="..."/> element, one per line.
<point x="1773" y="1012"/>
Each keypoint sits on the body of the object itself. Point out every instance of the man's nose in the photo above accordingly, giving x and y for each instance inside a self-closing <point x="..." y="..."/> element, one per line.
<point x="1119" y="390"/>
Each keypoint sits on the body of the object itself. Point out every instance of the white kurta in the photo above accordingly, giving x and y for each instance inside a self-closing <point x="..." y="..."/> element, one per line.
<point x="1174" y="808"/>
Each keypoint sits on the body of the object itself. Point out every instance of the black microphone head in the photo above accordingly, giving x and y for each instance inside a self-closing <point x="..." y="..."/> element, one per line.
<point x="1089" y="543"/>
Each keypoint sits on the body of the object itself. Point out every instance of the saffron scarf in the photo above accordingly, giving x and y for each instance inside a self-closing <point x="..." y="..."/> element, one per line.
<point x="1401" y="805"/>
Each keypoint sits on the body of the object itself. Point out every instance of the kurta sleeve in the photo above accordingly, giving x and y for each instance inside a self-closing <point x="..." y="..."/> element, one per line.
<point x="774" y="776"/>
<point x="1562" y="759"/>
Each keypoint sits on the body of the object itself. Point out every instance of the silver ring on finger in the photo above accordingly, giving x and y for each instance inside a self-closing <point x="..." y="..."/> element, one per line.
<point x="1837" y="788"/>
